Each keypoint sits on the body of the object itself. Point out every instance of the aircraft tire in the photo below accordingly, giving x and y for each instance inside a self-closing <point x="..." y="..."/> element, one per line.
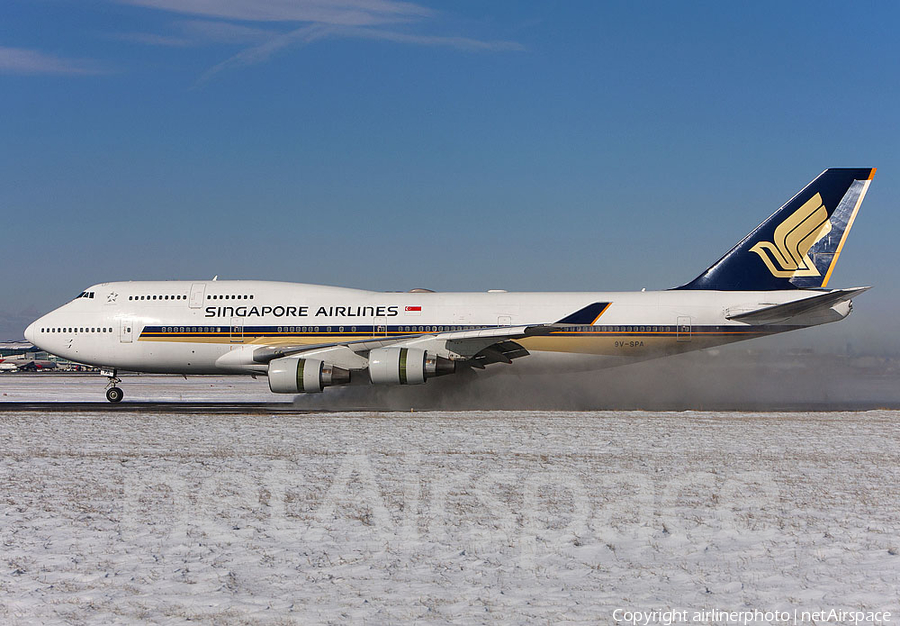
<point x="114" y="395"/>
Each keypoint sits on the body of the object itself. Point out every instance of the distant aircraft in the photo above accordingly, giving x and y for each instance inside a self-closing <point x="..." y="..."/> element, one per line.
<point x="25" y="363"/>
<point x="308" y="337"/>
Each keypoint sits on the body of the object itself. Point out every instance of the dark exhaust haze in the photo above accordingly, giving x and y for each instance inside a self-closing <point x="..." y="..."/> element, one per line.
<point x="729" y="379"/>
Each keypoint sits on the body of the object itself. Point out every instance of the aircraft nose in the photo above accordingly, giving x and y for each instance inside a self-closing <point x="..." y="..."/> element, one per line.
<point x="29" y="332"/>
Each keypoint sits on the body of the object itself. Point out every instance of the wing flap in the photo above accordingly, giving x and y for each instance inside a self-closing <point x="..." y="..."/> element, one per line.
<point x="500" y="352"/>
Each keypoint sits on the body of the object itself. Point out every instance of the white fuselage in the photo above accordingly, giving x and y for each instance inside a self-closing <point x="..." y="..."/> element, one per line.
<point x="187" y="327"/>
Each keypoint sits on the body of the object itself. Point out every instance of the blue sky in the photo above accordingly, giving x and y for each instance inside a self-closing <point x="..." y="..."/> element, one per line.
<point x="456" y="146"/>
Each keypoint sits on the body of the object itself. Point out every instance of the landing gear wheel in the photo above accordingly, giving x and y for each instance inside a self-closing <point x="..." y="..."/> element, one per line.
<point x="113" y="393"/>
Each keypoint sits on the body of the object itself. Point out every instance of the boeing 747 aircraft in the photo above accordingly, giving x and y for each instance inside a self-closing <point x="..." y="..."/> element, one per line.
<point x="306" y="337"/>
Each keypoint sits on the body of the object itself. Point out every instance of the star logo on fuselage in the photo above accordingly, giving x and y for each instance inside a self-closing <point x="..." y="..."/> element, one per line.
<point x="111" y="297"/>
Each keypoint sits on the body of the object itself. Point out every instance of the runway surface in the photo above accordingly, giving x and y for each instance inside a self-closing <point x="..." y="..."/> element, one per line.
<point x="206" y="408"/>
<point x="45" y="389"/>
<point x="205" y="395"/>
<point x="689" y="382"/>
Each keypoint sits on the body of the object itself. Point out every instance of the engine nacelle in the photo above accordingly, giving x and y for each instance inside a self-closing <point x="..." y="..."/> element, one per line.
<point x="294" y="374"/>
<point x="406" y="366"/>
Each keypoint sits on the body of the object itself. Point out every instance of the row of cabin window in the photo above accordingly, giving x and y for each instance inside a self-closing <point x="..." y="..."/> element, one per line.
<point x="440" y="329"/>
<point x="428" y="329"/>
<point x="181" y="297"/>
<point x="405" y="329"/>
<point x="641" y="329"/>
<point x="621" y="329"/>
<point x="157" y="297"/>
<point x="302" y="329"/>
<point x="76" y="330"/>
<point x="431" y="329"/>
<point x="191" y="329"/>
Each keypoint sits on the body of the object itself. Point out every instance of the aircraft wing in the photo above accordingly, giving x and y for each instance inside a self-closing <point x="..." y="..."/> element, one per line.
<point x="780" y="313"/>
<point x="477" y="347"/>
<point x="463" y="345"/>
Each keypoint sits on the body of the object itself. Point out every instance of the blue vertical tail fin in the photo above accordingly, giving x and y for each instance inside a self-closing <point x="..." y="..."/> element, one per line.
<point x="798" y="246"/>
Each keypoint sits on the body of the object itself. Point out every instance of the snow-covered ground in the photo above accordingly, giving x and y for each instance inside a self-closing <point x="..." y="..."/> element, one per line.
<point x="468" y="517"/>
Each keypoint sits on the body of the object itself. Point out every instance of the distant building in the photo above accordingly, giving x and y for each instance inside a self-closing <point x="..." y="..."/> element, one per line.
<point x="15" y="348"/>
<point x="15" y="354"/>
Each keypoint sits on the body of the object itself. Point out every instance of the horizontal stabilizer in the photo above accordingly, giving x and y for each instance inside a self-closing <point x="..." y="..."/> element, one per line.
<point x="782" y="312"/>
<point x="586" y="316"/>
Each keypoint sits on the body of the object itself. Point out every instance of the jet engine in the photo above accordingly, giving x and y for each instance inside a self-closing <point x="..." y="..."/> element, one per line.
<point x="294" y="374"/>
<point x="406" y="366"/>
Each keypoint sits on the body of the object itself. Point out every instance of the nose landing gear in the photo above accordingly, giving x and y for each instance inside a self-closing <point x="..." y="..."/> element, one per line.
<point x="113" y="393"/>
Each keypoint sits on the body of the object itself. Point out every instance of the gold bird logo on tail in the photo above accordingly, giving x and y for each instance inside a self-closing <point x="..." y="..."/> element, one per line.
<point x="788" y="255"/>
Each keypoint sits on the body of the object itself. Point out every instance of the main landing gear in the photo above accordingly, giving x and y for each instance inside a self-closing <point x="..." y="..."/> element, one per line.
<point x="113" y="393"/>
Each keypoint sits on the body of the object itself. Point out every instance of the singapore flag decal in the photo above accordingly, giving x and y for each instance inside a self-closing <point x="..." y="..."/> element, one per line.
<point x="413" y="310"/>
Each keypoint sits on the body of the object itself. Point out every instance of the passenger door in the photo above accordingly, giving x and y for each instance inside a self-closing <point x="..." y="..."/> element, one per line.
<point x="197" y="291"/>
<point x="125" y="330"/>
<point x="236" y="330"/>
<point x="684" y="328"/>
